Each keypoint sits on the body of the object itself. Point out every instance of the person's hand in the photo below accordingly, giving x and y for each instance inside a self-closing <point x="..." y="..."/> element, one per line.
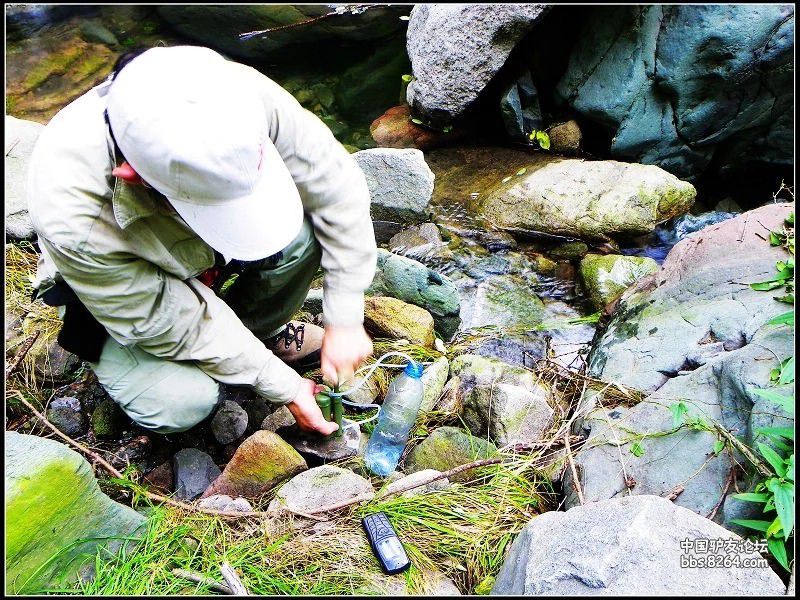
<point x="343" y="350"/>
<point x="307" y="413"/>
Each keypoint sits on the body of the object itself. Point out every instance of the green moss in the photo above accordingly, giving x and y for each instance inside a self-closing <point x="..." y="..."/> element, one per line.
<point x="91" y="65"/>
<point x="51" y="65"/>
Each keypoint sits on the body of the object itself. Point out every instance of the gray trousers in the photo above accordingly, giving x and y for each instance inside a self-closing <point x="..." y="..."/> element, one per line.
<point x="170" y="396"/>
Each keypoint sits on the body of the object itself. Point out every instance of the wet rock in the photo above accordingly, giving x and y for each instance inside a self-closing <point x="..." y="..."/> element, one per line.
<point x="67" y="415"/>
<point x="433" y="379"/>
<point x="401" y="482"/>
<point x="605" y="277"/>
<point x="194" y="472"/>
<point x="20" y="138"/>
<point x="411" y="281"/>
<point x="691" y="332"/>
<point x="107" y="419"/>
<point x="501" y="400"/>
<point x="688" y="224"/>
<point x="630" y="546"/>
<point x="94" y="31"/>
<point x="161" y="479"/>
<point x="400" y="183"/>
<point x="569" y="251"/>
<point x="456" y="49"/>
<point x="653" y="74"/>
<point x="565" y="138"/>
<point x="133" y="451"/>
<point x="312" y="445"/>
<point x="219" y="27"/>
<point x="57" y="517"/>
<point x="394" y="129"/>
<point x="229" y="422"/>
<point x="225" y="503"/>
<point x="448" y="447"/>
<point x="541" y="194"/>
<point x="417" y="239"/>
<point x="318" y="487"/>
<point x="262" y="461"/>
<point x="393" y="318"/>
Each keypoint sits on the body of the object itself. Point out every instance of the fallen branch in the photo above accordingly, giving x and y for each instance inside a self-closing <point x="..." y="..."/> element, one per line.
<point x="26" y="347"/>
<point x="233" y="581"/>
<point x="722" y="497"/>
<point x="672" y="495"/>
<point x="202" y="580"/>
<point x="741" y="447"/>
<point x="573" y="470"/>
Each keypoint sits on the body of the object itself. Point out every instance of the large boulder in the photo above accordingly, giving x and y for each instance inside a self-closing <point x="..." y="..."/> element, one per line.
<point x="692" y="337"/>
<point x="411" y="281"/>
<point x="541" y="194"/>
<point x="393" y="318"/>
<point x="678" y="85"/>
<point x="55" y="510"/>
<point x="636" y="546"/>
<point x="503" y="401"/>
<point x="456" y="49"/>
<point x="21" y="137"/>
<point x="219" y="26"/>
<point x="400" y="183"/>
<point x="262" y="461"/>
<point x="606" y="276"/>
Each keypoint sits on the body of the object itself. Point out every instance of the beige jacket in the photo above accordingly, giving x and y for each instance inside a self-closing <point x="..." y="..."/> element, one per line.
<point x="133" y="262"/>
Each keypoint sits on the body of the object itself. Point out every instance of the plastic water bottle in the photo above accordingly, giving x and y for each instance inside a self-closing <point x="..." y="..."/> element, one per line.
<point x="398" y="414"/>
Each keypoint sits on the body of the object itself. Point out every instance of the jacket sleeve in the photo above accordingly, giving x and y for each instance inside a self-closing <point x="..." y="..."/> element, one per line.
<point x="180" y="320"/>
<point x="335" y="195"/>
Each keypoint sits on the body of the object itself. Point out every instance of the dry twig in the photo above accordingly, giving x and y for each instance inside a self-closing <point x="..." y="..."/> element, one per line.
<point x="233" y="581"/>
<point x="26" y="347"/>
<point x="202" y="580"/>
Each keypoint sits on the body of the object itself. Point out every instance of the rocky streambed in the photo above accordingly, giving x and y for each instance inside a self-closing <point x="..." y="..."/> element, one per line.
<point x="560" y="293"/>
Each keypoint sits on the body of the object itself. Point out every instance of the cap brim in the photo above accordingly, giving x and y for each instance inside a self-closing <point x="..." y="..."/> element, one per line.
<point x="254" y="226"/>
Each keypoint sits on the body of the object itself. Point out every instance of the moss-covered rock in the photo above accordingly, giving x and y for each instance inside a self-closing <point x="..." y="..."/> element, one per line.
<point x="107" y="419"/>
<point x="433" y="379"/>
<point x="393" y="318"/>
<point x="52" y="502"/>
<point x="569" y="250"/>
<point x="448" y="447"/>
<point x="605" y="277"/>
<point x="262" y="461"/>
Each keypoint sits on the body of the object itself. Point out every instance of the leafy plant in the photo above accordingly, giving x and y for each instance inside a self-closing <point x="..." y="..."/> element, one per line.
<point x="541" y="138"/>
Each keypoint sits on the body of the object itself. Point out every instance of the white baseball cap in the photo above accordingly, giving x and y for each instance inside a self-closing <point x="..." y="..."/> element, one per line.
<point x="195" y="128"/>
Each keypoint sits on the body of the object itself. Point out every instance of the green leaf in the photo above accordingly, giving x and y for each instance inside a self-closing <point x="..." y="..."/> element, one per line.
<point x="785" y="402"/>
<point x="775" y="238"/>
<point x="774" y="528"/>
<point x="773" y="432"/>
<point x="773" y="458"/>
<point x="543" y="139"/>
<point x="719" y="446"/>
<point x="787" y="372"/>
<point x="784" y="504"/>
<point x="790" y="468"/>
<point x="777" y="548"/>
<point x="750" y="497"/>
<point x="679" y="410"/>
<point x="751" y="524"/>
<point x="416" y="121"/>
<point x="636" y="449"/>
<point x="787" y="299"/>
<point x="790" y="219"/>
<point x="407" y="77"/>
<point x="765" y="286"/>
<point x="522" y="171"/>
<point x="786" y="318"/>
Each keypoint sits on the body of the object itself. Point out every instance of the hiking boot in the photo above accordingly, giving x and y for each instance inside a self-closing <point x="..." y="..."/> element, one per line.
<point x="298" y="345"/>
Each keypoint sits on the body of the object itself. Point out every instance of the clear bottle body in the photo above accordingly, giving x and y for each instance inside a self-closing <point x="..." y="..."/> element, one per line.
<point x="398" y="414"/>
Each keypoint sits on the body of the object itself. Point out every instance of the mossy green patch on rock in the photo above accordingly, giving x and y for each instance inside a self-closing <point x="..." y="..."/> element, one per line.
<point x="448" y="447"/>
<point x="262" y="461"/>
<point x="393" y="318"/>
<point x="605" y="277"/>
<point x="53" y="502"/>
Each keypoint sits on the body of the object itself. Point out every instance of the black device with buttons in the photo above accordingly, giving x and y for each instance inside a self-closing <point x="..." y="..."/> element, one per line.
<point x="385" y="543"/>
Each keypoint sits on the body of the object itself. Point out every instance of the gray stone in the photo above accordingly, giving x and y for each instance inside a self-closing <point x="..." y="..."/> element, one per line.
<point x="417" y="241"/>
<point x="333" y="448"/>
<point x="456" y="49"/>
<point x="194" y="471"/>
<point x="225" y="503"/>
<point x="412" y="282"/>
<point x="606" y="276"/>
<point x="318" y="487"/>
<point x="502" y="401"/>
<point x="282" y="417"/>
<point x="679" y="84"/>
<point x="58" y="519"/>
<point x="694" y="332"/>
<point x="229" y="422"/>
<point x="519" y="108"/>
<point x="400" y="183"/>
<point x="433" y="380"/>
<point x="67" y="415"/>
<point x="448" y="447"/>
<point x="94" y="31"/>
<point x="20" y="138"/>
<point x="626" y="546"/>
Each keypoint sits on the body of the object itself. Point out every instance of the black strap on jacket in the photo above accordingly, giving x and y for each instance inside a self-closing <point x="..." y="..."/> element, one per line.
<point x="81" y="333"/>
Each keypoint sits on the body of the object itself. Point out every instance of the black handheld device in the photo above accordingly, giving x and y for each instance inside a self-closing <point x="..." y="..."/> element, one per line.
<point x="385" y="543"/>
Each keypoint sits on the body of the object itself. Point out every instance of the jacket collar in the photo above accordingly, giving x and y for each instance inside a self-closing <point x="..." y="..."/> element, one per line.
<point x="130" y="202"/>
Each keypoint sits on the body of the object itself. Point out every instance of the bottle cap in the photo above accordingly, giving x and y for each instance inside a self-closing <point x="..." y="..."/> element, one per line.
<point x="413" y="369"/>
